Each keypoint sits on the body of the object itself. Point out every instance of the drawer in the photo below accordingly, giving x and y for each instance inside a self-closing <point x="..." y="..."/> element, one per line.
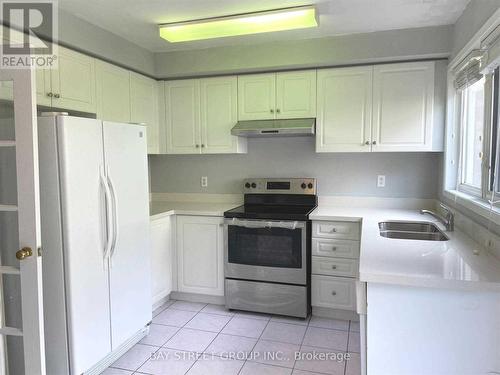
<point x="333" y="292"/>
<point x="335" y="248"/>
<point x="335" y="229"/>
<point x="335" y="266"/>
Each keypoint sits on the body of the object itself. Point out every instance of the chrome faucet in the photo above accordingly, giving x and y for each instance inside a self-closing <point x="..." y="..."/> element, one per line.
<point x="448" y="220"/>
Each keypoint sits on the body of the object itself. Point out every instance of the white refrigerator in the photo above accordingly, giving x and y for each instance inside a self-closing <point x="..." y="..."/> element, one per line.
<point x="95" y="240"/>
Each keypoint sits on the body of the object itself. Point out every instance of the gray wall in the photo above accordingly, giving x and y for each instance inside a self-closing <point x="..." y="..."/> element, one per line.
<point x="82" y="36"/>
<point x="340" y="50"/>
<point x="474" y="16"/>
<point x="355" y="174"/>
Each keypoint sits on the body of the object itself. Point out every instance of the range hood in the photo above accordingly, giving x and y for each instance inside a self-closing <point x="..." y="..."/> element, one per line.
<point x="272" y="128"/>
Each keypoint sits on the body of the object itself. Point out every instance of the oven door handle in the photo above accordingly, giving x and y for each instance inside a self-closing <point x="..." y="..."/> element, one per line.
<point x="265" y="224"/>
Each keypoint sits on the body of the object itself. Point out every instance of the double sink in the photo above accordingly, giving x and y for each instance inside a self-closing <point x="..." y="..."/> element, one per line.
<point x="411" y="230"/>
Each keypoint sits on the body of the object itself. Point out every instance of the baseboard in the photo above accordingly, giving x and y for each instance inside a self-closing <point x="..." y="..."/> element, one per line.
<point x="325" y="312"/>
<point x="102" y="365"/>
<point x="194" y="297"/>
<point x="160" y="299"/>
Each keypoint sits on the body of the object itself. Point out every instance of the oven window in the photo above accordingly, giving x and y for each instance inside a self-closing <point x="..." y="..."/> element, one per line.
<point x="270" y="247"/>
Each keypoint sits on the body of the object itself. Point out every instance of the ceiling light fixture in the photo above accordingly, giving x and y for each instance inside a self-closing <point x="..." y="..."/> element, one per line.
<point x="240" y="24"/>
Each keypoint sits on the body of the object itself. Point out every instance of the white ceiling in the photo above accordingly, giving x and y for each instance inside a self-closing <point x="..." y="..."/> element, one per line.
<point x="136" y="20"/>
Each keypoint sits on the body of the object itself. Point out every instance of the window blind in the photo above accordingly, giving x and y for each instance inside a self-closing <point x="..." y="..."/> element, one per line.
<point x="469" y="71"/>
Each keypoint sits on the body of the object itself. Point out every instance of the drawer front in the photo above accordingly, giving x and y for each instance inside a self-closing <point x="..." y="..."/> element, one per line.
<point x="335" y="266"/>
<point x="333" y="292"/>
<point x="335" y="248"/>
<point x="335" y="229"/>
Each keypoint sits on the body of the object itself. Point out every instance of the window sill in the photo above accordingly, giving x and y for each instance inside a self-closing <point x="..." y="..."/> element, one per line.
<point x="474" y="204"/>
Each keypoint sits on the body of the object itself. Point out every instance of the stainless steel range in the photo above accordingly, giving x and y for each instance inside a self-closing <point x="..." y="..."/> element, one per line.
<point x="268" y="246"/>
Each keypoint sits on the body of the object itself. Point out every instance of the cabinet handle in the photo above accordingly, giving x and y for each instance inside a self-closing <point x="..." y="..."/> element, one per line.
<point x="271" y="110"/>
<point x="197" y="146"/>
<point x="202" y="145"/>
<point x="367" y="143"/>
<point x="57" y="96"/>
<point x="49" y="94"/>
<point x="334" y="248"/>
<point x="333" y="230"/>
<point x="278" y="111"/>
<point x="334" y="293"/>
<point x="334" y="267"/>
<point x="374" y="142"/>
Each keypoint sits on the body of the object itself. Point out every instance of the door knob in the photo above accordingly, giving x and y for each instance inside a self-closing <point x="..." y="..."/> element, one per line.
<point x="197" y="146"/>
<point x="24" y="253"/>
<point x="271" y="110"/>
<point x="57" y="96"/>
<point x="374" y="142"/>
<point x="367" y="143"/>
<point x="49" y="94"/>
<point x="278" y="110"/>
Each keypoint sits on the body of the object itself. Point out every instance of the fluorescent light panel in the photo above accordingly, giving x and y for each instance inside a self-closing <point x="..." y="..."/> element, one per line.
<point x="240" y="24"/>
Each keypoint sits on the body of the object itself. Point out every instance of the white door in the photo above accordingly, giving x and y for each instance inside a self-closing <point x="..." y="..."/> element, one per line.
<point x="344" y="110"/>
<point x="296" y="94"/>
<point x="218" y="115"/>
<point x="22" y="349"/>
<point x="125" y="154"/>
<point x="403" y="97"/>
<point x="200" y="244"/>
<point x="256" y="97"/>
<point x="182" y="111"/>
<point x="113" y="92"/>
<point x="144" y="108"/>
<point x="73" y="82"/>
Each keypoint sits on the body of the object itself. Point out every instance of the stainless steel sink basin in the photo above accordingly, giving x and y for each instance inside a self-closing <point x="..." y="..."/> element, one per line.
<point x="411" y="230"/>
<point x="408" y="226"/>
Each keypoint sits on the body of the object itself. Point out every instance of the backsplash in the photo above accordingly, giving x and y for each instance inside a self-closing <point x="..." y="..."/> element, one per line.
<point x="412" y="175"/>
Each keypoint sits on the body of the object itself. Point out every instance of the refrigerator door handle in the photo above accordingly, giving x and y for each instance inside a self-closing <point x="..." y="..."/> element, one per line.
<point x="109" y="219"/>
<point x="115" y="220"/>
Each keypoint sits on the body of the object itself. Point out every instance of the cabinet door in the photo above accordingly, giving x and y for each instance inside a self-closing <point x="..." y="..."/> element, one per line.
<point x="333" y="292"/>
<point x="144" y="108"/>
<point x="182" y="111"/>
<point x="218" y="107"/>
<point x="296" y="94"/>
<point x="344" y="110"/>
<point x="43" y="87"/>
<point x="161" y="258"/>
<point x="256" y="96"/>
<point x="403" y="97"/>
<point x="113" y="93"/>
<point x="73" y="82"/>
<point x="200" y="254"/>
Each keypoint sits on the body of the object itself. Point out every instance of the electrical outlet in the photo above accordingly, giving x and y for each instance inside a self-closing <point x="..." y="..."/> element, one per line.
<point x="380" y="180"/>
<point x="204" y="181"/>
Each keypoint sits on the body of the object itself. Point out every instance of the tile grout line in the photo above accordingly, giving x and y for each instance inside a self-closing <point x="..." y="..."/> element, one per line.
<point x="256" y="342"/>
<point x="302" y="341"/>
<point x="217" y="335"/>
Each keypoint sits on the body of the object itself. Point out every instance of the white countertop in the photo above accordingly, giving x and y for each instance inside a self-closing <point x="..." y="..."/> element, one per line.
<point x="159" y="209"/>
<point x="459" y="263"/>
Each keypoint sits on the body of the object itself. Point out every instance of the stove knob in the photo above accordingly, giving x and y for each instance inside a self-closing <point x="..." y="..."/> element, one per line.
<point x="303" y="186"/>
<point x="310" y="185"/>
<point x="247" y="185"/>
<point x="254" y="185"/>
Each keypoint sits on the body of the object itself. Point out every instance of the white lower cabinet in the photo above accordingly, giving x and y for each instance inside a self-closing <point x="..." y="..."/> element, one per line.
<point x="335" y="264"/>
<point x="200" y="249"/>
<point x="161" y="257"/>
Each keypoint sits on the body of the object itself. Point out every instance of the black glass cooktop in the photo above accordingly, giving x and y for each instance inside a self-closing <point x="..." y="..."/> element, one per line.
<point x="277" y="212"/>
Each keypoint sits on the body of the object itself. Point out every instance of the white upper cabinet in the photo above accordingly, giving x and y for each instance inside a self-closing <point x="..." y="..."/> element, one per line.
<point x="256" y="96"/>
<point x="296" y="94"/>
<point x="113" y="92"/>
<point x="144" y="108"/>
<point x="344" y="116"/>
<point x="182" y="116"/>
<point x="218" y="105"/>
<point x="200" y="249"/>
<point x="386" y="107"/>
<point x="403" y="98"/>
<point x="69" y="86"/>
<point x="277" y="95"/>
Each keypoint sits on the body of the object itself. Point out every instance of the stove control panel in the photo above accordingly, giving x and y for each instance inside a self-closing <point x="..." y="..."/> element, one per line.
<point x="280" y="186"/>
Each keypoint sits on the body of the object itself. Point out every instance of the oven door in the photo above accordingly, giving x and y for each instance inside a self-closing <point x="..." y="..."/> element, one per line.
<point x="266" y="250"/>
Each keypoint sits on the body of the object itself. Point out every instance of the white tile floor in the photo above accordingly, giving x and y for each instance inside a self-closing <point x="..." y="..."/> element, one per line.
<point x="196" y="338"/>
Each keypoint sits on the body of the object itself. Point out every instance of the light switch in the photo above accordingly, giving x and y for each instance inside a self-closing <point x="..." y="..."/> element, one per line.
<point x="380" y="180"/>
<point x="204" y="181"/>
